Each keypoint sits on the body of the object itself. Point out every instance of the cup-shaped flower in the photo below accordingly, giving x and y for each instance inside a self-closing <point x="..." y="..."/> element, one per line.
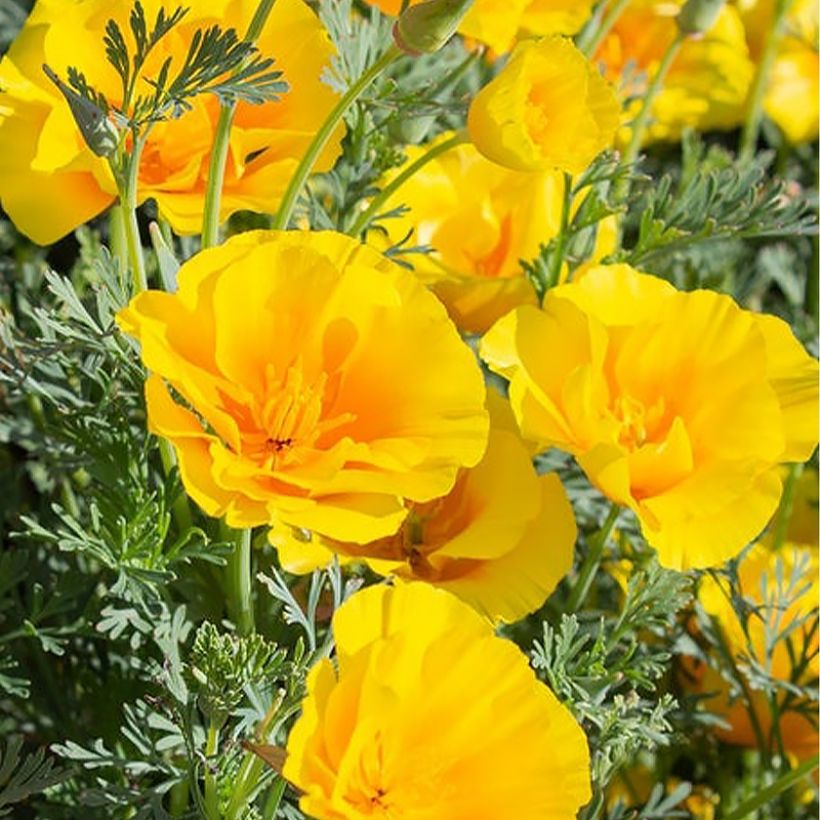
<point x="781" y="591"/>
<point x="431" y="716"/>
<point x="677" y="405"/>
<point x="326" y="386"/>
<point x="51" y="181"/>
<point x="499" y="23"/>
<point x="500" y="540"/>
<point x="707" y="83"/>
<point x="548" y="108"/>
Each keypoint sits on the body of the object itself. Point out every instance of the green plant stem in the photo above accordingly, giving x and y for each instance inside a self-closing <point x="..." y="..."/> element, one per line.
<point x="211" y="794"/>
<point x="180" y="509"/>
<point x="642" y="119"/>
<point x="222" y="141"/>
<point x="305" y="167"/>
<point x="592" y="561"/>
<point x="178" y="798"/>
<point x="128" y="202"/>
<point x="238" y="574"/>
<point x="754" y="113"/>
<point x="437" y="150"/>
<point x="780" y="785"/>
<point x="784" y="511"/>
<point x="592" y="37"/>
<point x="116" y="237"/>
<point x="561" y="247"/>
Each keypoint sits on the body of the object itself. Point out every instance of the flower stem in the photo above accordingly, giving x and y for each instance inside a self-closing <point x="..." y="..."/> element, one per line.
<point x="593" y="36"/>
<point x="754" y="113"/>
<point x="219" y="150"/>
<point x="128" y="202"/>
<point x="180" y="509"/>
<point x="211" y="795"/>
<point x="592" y="561"/>
<point x="238" y="580"/>
<point x="561" y="246"/>
<point x="769" y="793"/>
<point x="437" y="150"/>
<point x="303" y="171"/>
<point x="784" y="511"/>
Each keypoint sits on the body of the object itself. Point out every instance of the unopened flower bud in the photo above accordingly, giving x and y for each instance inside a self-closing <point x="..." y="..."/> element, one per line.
<point x="99" y="133"/>
<point x="698" y="16"/>
<point x="426" y="27"/>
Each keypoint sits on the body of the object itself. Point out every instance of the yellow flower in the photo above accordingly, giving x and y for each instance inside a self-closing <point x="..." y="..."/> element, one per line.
<point x="758" y="570"/>
<point x="481" y="220"/>
<point x="792" y="92"/>
<point x="501" y="540"/>
<point x="707" y="83"/>
<point x="499" y="23"/>
<point x="431" y="716"/>
<point x="547" y="108"/>
<point x="327" y="384"/>
<point x="51" y="182"/>
<point x="677" y="405"/>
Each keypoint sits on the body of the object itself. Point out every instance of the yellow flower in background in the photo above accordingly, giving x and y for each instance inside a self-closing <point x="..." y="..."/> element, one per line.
<point x="707" y="83"/>
<point x="779" y="611"/>
<point x="678" y="405"/>
<point x="792" y="92"/>
<point x="500" y="23"/>
<point x="409" y="724"/>
<point x="501" y="540"/>
<point x="482" y="220"/>
<point x="51" y="182"/>
<point x="327" y="385"/>
<point x="548" y="108"/>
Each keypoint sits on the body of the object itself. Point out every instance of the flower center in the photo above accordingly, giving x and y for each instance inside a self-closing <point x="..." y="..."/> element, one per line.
<point x="638" y="423"/>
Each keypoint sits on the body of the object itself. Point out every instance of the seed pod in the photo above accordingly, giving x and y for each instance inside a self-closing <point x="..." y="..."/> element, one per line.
<point x="426" y="27"/>
<point x="698" y="16"/>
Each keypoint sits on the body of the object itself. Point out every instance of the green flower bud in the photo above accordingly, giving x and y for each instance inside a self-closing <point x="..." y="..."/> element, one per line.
<point x="99" y="133"/>
<point x="425" y="28"/>
<point x="698" y="16"/>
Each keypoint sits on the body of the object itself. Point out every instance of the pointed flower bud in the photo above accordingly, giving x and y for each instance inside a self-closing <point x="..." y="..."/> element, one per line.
<point x="426" y="27"/>
<point x="698" y="16"/>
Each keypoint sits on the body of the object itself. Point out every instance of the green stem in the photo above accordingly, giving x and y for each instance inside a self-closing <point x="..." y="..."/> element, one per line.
<point x="222" y="141"/>
<point x="561" y="247"/>
<point x="592" y="37"/>
<point x="592" y="561"/>
<point x="211" y="793"/>
<point x="784" y="511"/>
<point x="303" y="171"/>
<point x="116" y="237"/>
<point x="128" y="202"/>
<point x="437" y="150"/>
<point x="780" y="785"/>
<point x="180" y="509"/>
<point x="641" y="121"/>
<point x="754" y="114"/>
<point x="178" y="798"/>
<point x="238" y="580"/>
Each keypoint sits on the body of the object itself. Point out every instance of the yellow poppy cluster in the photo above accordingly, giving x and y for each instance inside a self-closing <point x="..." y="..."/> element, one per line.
<point x="310" y="385"/>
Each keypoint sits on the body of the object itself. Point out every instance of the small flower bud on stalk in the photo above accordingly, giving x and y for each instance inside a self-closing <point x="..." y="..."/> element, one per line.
<point x="425" y="28"/>
<point x="698" y="16"/>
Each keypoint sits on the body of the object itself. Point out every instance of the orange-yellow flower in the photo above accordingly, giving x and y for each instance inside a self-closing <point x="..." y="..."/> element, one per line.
<point x="677" y="405"/>
<point x="792" y="93"/>
<point x="499" y="23"/>
<point x="327" y="385"/>
<point x="548" y="108"/>
<point x="501" y="540"/>
<point x="481" y="221"/>
<point x="431" y="716"/>
<point x="778" y="611"/>
<point x="707" y="83"/>
<point x="51" y="182"/>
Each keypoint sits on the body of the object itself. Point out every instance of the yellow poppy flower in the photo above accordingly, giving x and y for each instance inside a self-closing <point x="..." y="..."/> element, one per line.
<point x="327" y="385"/>
<point x="677" y="405"/>
<point x="429" y="715"/>
<point x="51" y="182"/>
<point x="548" y="108"/>
<point x="709" y="79"/>
<point x="499" y="23"/>
<point x="501" y="540"/>
<point x="758" y="569"/>
<point x="792" y="92"/>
